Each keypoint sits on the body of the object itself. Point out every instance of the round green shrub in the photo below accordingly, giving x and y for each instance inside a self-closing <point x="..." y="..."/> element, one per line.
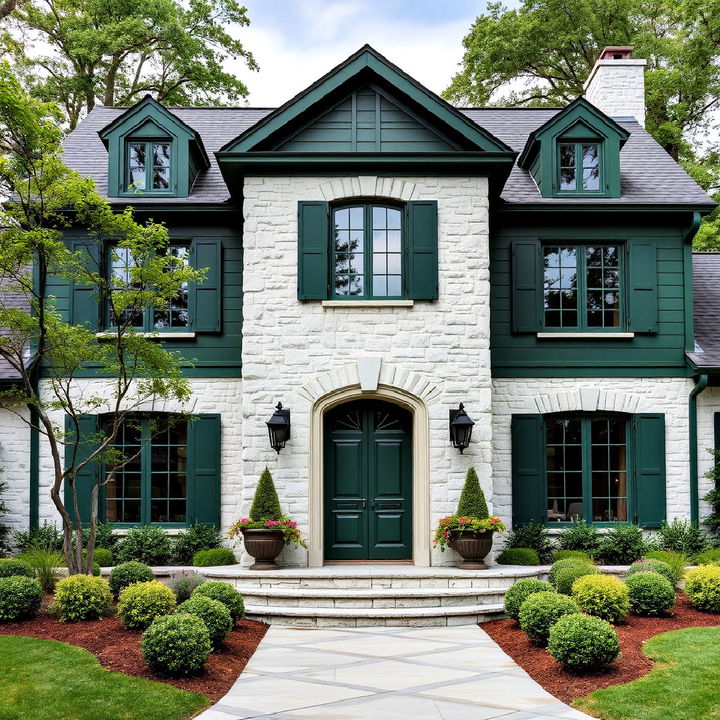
<point x="708" y="557"/>
<point x="213" y="613"/>
<point x="12" y="567"/>
<point x="518" y="593"/>
<point x="128" y="573"/>
<point x="603" y="596"/>
<point x="226" y="594"/>
<point x="566" y="577"/>
<point x="571" y="555"/>
<point x="561" y="564"/>
<point x="581" y="642"/>
<point x="176" y="645"/>
<point x="702" y="585"/>
<point x="518" y="556"/>
<point x="650" y="593"/>
<point x="103" y="557"/>
<point x="147" y="544"/>
<point x="541" y="611"/>
<point x="20" y="597"/>
<point x="141" y="603"/>
<point x="656" y="566"/>
<point x="81" y="597"/>
<point x="210" y="558"/>
<point x="676" y="560"/>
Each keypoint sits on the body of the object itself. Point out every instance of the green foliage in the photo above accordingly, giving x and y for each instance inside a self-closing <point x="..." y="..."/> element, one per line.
<point x="621" y="545"/>
<point x="650" y="593"/>
<point x="81" y="597"/>
<point x="141" y="603"/>
<point x="266" y="504"/>
<point x="581" y="643"/>
<point x="226" y="594"/>
<point x="603" y="596"/>
<point x="472" y="498"/>
<point x="702" y="586"/>
<point x="541" y="611"/>
<point x="677" y="561"/>
<point x="571" y="555"/>
<point x="532" y="535"/>
<point x="708" y="557"/>
<point x="45" y="564"/>
<point x="10" y="567"/>
<point x="20" y="597"/>
<point x="712" y="520"/>
<point x="128" y="573"/>
<point x="520" y="591"/>
<point x="579" y="536"/>
<point x="176" y="645"/>
<point x="210" y="558"/>
<point x="184" y="583"/>
<point x="147" y="544"/>
<point x="103" y="557"/>
<point x="197" y="537"/>
<point x="566" y="577"/>
<point x="653" y="565"/>
<point x="562" y="564"/>
<point x="43" y="537"/>
<point x="213" y="613"/>
<point x="104" y="536"/>
<point x="683" y="537"/>
<point x="518" y="556"/>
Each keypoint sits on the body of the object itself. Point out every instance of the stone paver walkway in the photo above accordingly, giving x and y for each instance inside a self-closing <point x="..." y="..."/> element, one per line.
<point x="385" y="673"/>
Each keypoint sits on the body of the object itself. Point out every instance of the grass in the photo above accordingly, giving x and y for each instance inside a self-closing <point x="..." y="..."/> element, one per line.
<point x="683" y="685"/>
<point x="48" y="679"/>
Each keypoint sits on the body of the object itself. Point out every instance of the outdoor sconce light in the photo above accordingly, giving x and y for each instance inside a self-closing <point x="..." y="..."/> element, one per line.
<point x="461" y="426"/>
<point x="279" y="428"/>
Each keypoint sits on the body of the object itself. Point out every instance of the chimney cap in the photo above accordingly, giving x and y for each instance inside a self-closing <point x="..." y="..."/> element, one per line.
<point x="616" y="52"/>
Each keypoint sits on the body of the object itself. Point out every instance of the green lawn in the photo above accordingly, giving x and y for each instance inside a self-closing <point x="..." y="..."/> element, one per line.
<point x="683" y="685"/>
<point x="53" y="680"/>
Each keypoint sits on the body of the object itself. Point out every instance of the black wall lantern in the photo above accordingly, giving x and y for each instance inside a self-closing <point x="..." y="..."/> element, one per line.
<point x="460" y="428"/>
<point x="279" y="428"/>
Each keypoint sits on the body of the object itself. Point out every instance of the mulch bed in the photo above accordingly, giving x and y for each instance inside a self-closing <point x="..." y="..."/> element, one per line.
<point x="632" y="664"/>
<point x="119" y="649"/>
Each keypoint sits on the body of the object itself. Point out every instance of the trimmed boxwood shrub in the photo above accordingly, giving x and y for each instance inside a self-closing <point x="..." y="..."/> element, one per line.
<point x="532" y="535"/>
<point x="147" y="544"/>
<point x="650" y="593"/>
<point x="702" y="586"/>
<point x="579" y="536"/>
<point x="656" y="566"/>
<point x="518" y="556"/>
<point x="565" y="577"/>
<point x="561" y="564"/>
<point x="226" y="594"/>
<point x="519" y="592"/>
<point x="265" y="504"/>
<point x="621" y="545"/>
<point x="128" y="573"/>
<point x="603" y="596"/>
<point x="196" y="537"/>
<point x="472" y="501"/>
<point x="708" y="557"/>
<point x="541" y="611"/>
<point x="103" y="557"/>
<point x="572" y="555"/>
<point x="81" y="597"/>
<point x="20" y="597"/>
<point x="581" y="642"/>
<point x="12" y="567"/>
<point x="676" y="560"/>
<point x="209" y="558"/>
<point x="213" y="613"/>
<point x="141" y="603"/>
<point x="176" y="645"/>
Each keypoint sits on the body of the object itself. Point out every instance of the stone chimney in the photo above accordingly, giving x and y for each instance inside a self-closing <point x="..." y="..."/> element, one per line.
<point x="617" y="83"/>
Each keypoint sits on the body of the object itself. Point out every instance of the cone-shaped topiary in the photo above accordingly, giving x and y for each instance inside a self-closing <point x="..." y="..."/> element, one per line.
<point x="472" y="499"/>
<point x="266" y="504"/>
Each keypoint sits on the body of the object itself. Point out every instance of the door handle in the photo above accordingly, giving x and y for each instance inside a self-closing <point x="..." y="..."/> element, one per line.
<point x="364" y="503"/>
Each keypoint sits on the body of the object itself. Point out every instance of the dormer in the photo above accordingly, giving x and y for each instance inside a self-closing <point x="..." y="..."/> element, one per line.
<point x="576" y="154"/>
<point x="152" y="153"/>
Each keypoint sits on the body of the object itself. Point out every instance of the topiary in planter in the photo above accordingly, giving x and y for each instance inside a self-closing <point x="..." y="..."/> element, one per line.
<point x="566" y="577"/>
<point x="650" y="593"/>
<point x="127" y="574"/>
<point x="81" y="597"/>
<point x="702" y="586"/>
<point x="656" y="566"/>
<point x="209" y="558"/>
<point x="266" y="504"/>
<point x="603" y="596"/>
<point x="518" y="556"/>
<point x="11" y="567"/>
<point x="541" y="611"/>
<point x="20" y="598"/>
<point x="213" y="613"/>
<point x="520" y="591"/>
<point x="472" y="501"/>
<point x="141" y="603"/>
<point x="176" y="645"/>
<point x="561" y="564"/>
<point x="226" y="594"/>
<point x="581" y="643"/>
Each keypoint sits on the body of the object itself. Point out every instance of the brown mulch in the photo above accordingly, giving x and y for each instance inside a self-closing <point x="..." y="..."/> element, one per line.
<point x="119" y="649"/>
<point x="631" y="665"/>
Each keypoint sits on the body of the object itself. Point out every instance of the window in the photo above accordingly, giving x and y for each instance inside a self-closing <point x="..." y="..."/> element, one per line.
<point x="582" y="287"/>
<point x="580" y="167"/>
<point x="148" y="166"/>
<point x="367" y="252"/>
<point x="150" y="482"/>
<point x="587" y="468"/>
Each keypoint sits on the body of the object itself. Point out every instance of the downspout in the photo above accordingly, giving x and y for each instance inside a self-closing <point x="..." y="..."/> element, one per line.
<point x="700" y="385"/>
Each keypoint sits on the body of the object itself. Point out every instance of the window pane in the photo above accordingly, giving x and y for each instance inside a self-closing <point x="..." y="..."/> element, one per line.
<point x="120" y="276"/>
<point x="568" y="173"/>
<point x="348" y="247"/>
<point x="393" y="218"/>
<point x="567" y="155"/>
<point x="137" y="178"/>
<point x="394" y="285"/>
<point x="176" y="316"/>
<point x="161" y="178"/>
<point x="168" y="486"/>
<point x="379" y="215"/>
<point x="137" y="162"/>
<point x="564" y="464"/>
<point x="609" y="469"/>
<point x="161" y="155"/>
<point x="379" y="286"/>
<point x="591" y="179"/>
<point x="356" y="218"/>
<point x="603" y="285"/>
<point x="394" y="241"/>
<point x="567" y="178"/>
<point x="560" y="286"/>
<point x="387" y="259"/>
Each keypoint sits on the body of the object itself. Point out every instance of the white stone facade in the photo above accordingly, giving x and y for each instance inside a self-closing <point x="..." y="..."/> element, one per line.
<point x="708" y="404"/>
<point x="15" y="468"/>
<point x="617" y="87"/>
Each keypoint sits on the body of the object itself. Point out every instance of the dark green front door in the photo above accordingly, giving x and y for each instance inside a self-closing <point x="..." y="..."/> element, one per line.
<point x="368" y="482"/>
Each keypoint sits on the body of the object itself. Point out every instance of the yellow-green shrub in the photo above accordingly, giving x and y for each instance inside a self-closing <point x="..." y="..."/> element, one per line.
<point x="81" y="597"/>
<point x="702" y="586"/>
<point x="602" y="596"/>
<point x="140" y="603"/>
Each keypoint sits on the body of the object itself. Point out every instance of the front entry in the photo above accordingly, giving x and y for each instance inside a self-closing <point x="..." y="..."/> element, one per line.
<point x="368" y="482"/>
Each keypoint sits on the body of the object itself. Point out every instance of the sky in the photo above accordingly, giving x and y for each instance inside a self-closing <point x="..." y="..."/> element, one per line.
<point x="297" y="41"/>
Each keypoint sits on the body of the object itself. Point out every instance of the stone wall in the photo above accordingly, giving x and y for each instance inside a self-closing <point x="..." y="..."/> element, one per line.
<point x="15" y="468"/>
<point x="708" y="404"/>
<point x="617" y="87"/>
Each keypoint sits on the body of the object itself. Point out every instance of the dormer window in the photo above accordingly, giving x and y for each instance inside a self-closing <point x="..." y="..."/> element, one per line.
<point x="579" y="166"/>
<point x="149" y="166"/>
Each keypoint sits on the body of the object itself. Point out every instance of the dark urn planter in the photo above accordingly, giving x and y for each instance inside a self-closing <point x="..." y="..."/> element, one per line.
<point x="472" y="547"/>
<point x="264" y="546"/>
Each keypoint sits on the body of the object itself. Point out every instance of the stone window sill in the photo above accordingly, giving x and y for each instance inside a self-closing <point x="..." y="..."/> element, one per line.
<point x="152" y="335"/>
<point x="585" y="336"/>
<point x="366" y="303"/>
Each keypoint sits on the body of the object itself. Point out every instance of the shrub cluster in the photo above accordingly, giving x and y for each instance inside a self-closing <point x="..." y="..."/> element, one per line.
<point x="227" y="595"/>
<point x="683" y="537"/>
<point x="210" y="558"/>
<point x="649" y="593"/>
<point x="581" y="642"/>
<point x="652" y="565"/>
<point x="12" y="567"/>
<point x="176" y="645"/>
<point x="184" y="583"/>
<point x="622" y="545"/>
<point x="533" y="535"/>
<point x="148" y="544"/>
<point x="559" y="565"/>
<point x="518" y="556"/>
<point x="677" y="561"/>
<point x="708" y="557"/>
<point x="197" y="537"/>
<point x="143" y="602"/>
<point x="45" y="564"/>
<point x="566" y="577"/>
<point x="44" y="537"/>
<point x="541" y="611"/>
<point x="103" y="557"/>
<point x="571" y="555"/>
<point x="20" y="597"/>
<point x="128" y="573"/>
<point x="81" y="597"/>
<point x="520" y="591"/>
<point x="213" y="613"/>
<point x="602" y="596"/>
<point x="580" y="536"/>
<point x="702" y="585"/>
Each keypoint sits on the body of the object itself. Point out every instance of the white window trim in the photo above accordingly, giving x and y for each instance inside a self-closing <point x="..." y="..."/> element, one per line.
<point x="585" y="335"/>
<point x="366" y="303"/>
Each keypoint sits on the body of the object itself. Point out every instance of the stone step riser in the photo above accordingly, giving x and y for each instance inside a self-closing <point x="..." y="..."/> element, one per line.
<point x="331" y="622"/>
<point x="256" y="599"/>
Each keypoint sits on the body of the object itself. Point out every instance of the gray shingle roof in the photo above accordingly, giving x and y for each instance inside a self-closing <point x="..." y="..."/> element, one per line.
<point x="649" y="174"/>
<point x="706" y="301"/>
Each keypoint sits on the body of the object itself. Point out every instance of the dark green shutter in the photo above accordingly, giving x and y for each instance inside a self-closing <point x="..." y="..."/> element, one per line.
<point x="526" y="284"/>
<point x="313" y="251"/>
<point x="716" y="432"/>
<point x="528" y="469"/>
<point x="422" y="242"/>
<point x="204" y="468"/>
<point x="642" y="291"/>
<point x="206" y="297"/>
<point x="649" y="455"/>
<point x="88" y="476"/>
<point x="84" y="305"/>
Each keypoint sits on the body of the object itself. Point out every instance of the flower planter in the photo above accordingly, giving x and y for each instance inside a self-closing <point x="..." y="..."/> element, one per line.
<point x="264" y="546"/>
<point x="472" y="547"/>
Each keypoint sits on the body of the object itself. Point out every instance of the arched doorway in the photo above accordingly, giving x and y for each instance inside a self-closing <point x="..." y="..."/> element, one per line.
<point x="368" y="481"/>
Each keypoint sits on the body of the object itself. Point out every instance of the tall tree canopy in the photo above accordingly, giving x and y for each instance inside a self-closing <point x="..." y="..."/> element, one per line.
<point x="115" y="51"/>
